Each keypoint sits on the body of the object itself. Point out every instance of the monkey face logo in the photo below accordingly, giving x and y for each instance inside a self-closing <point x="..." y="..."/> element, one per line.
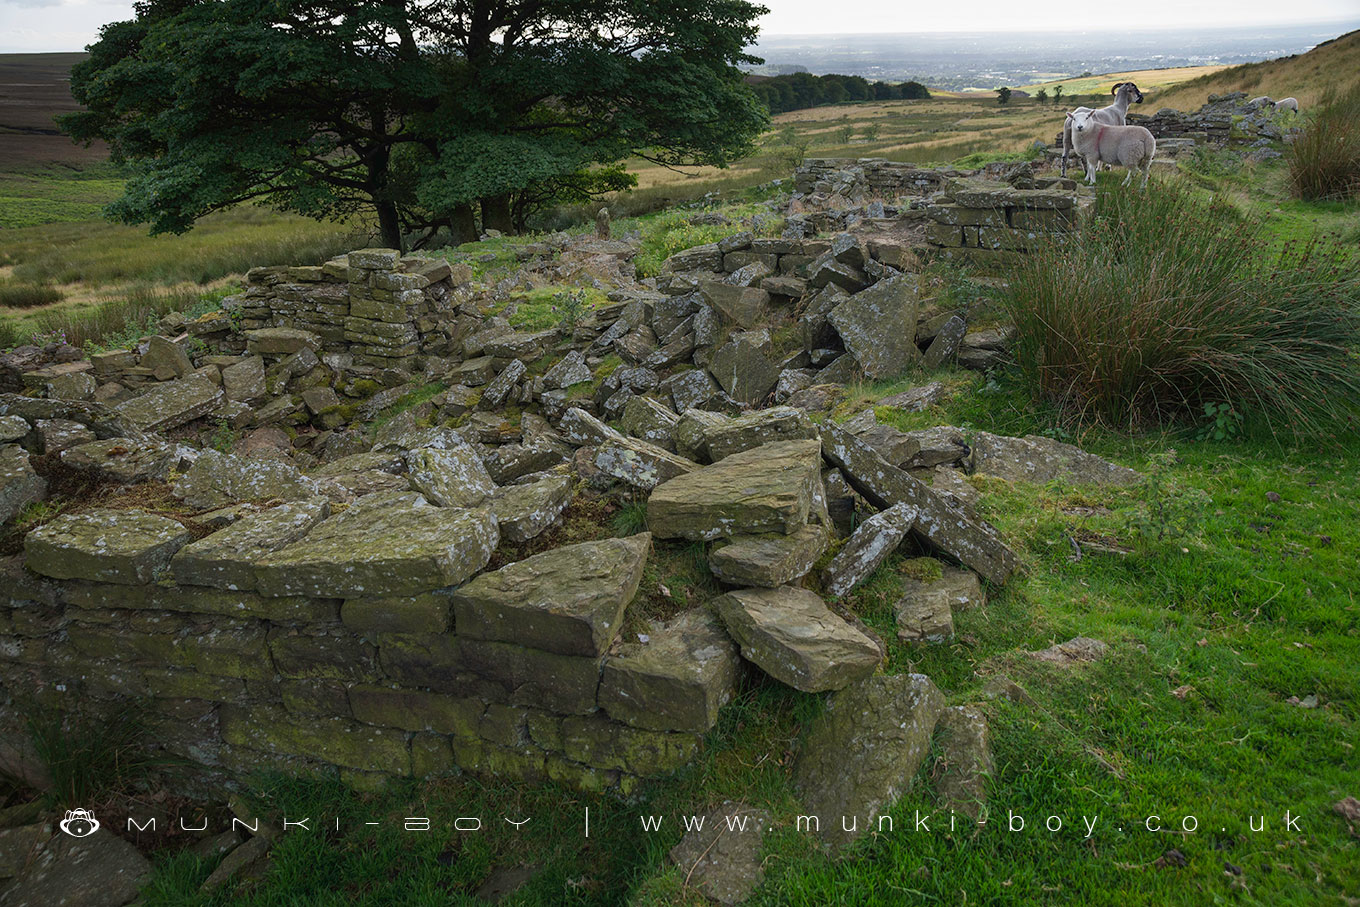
<point x="79" y="823"/>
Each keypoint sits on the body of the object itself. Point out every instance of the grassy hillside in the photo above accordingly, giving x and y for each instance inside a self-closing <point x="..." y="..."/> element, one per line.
<point x="1334" y="63"/>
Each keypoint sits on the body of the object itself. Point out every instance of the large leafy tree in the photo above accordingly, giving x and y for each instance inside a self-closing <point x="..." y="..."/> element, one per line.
<point x="424" y="112"/>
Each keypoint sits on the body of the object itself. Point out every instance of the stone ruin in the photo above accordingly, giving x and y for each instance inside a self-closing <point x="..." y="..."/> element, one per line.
<point x="375" y="576"/>
<point x="1223" y="119"/>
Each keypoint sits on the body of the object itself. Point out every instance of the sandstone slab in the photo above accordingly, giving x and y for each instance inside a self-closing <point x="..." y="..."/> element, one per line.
<point x="450" y="477"/>
<point x="109" y="546"/>
<point x="861" y="754"/>
<point x="965" y="759"/>
<point x="771" y="488"/>
<point x="218" y="479"/>
<point x="525" y="511"/>
<point x="791" y="635"/>
<point x="122" y="460"/>
<point x="567" y="600"/>
<point x="20" y="485"/>
<point x="867" y="548"/>
<point x="171" y="404"/>
<point x="637" y="463"/>
<point x="973" y="543"/>
<point x="720" y="856"/>
<point x="226" y="559"/>
<point x="779" y="423"/>
<point x="1034" y="458"/>
<point x="399" y="549"/>
<point x="769" y="561"/>
<point x="878" y="326"/>
<point x="675" y="681"/>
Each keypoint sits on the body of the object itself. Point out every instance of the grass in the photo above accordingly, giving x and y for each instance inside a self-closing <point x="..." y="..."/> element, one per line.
<point x="89" y="754"/>
<point x="27" y="295"/>
<point x="100" y="253"/>
<point x="1324" y="161"/>
<point x="112" y="321"/>
<point x="1186" y="308"/>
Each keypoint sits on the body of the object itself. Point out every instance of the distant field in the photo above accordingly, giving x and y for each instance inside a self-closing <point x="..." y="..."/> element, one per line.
<point x="34" y="88"/>
<point x="939" y="130"/>
<point x="1146" y="79"/>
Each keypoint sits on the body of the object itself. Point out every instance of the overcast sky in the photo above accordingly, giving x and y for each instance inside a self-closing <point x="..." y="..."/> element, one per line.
<point x="57" y="25"/>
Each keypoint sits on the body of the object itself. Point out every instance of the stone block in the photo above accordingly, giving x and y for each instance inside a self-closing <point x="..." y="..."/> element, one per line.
<point x="767" y="489"/>
<point x="111" y="546"/>
<point x="791" y="635"/>
<point x="675" y="681"/>
<point x="568" y="600"/>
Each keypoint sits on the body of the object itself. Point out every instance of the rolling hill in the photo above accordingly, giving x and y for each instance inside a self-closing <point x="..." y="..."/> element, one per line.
<point x="1334" y="63"/>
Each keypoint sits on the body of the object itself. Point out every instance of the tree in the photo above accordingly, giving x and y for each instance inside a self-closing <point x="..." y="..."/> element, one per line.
<point x="1003" y="95"/>
<point x="1041" y="96"/>
<point x="422" y="112"/>
<point x="1057" y="94"/>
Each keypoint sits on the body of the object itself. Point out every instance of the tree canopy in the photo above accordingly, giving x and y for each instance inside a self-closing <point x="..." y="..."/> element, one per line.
<point x="800" y="90"/>
<point x="423" y="112"/>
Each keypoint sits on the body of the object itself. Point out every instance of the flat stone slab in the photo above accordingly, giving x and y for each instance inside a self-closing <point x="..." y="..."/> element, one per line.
<point x="925" y="612"/>
<point x="226" y="559"/>
<point x="676" y="680"/>
<point x="878" y="326"/>
<point x="790" y="634"/>
<point x="172" y="404"/>
<point x="108" y="546"/>
<point x="861" y="754"/>
<point x="965" y="759"/>
<point x="1034" y="458"/>
<point x="640" y="464"/>
<point x="972" y="543"/>
<point x="20" y="485"/>
<point x="450" y="477"/>
<point x="771" y="488"/>
<point x="218" y="479"/>
<point x="769" y="561"/>
<point x="867" y="548"/>
<point x="280" y="341"/>
<point x="744" y="372"/>
<point x="720" y="856"/>
<point x="122" y="460"/>
<point x="525" y="511"/>
<point x="568" y="600"/>
<point x="779" y="423"/>
<point x="403" y="548"/>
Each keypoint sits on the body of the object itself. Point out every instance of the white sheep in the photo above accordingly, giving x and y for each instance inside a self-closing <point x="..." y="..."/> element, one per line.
<point x="1287" y="104"/>
<point x="1125" y="93"/>
<point x="1095" y="142"/>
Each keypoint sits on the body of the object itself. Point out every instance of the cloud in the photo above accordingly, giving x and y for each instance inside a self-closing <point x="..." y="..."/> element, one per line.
<point x="31" y="3"/>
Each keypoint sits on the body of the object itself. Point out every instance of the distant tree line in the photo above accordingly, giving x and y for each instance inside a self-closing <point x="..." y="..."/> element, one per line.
<point x="800" y="90"/>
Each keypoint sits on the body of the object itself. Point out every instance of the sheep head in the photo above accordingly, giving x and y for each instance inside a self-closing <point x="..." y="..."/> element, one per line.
<point x="1128" y="89"/>
<point x="1080" y="119"/>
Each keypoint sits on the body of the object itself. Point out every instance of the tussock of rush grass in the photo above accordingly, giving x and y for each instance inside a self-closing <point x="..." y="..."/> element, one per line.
<point x="1166" y="304"/>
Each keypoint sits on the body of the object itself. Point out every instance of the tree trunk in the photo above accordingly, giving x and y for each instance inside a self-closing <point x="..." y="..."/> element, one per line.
<point x="464" y="225"/>
<point x="496" y="214"/>
<point x="389" y="226"/>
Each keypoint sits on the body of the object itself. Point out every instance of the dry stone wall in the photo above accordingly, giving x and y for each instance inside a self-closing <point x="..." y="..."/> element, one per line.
<point x="990" y="222"/>
<point x="301" y="638"/>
